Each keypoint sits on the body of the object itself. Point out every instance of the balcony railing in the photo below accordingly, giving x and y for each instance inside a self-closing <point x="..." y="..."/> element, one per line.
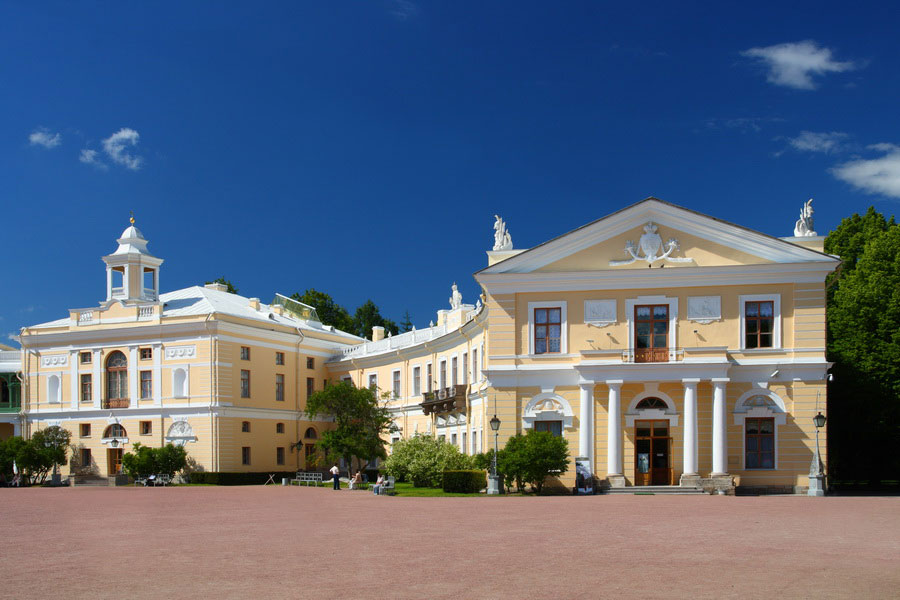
<point x="116" y="403"/>
<point x="446" y="400"/>
<point x="10" y="407"/>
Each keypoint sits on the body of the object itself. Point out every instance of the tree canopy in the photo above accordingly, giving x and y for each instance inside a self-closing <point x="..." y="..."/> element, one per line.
<point x="231" y="289"/>
<point x="329" y="311"/>
<point x="360" y="420"/>
<point x="368" y="316"/>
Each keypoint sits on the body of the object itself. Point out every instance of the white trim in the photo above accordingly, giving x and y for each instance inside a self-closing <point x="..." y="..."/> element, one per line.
<point x="704" y="309"/>
<point x="759" y="412"/>
<point x="672" y="303"/>
<point x="54" y="396"/>
<point x="398" y="393"/>
<point x="601" y="313"/>
<point x="776" y="328"/>
<point x="564" y="326"/>
<point x="412" y="380"/>
<point x="529" y="415"/>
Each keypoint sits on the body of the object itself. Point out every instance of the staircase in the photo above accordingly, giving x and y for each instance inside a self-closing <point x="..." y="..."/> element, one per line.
<point x="669" y="490"/>
<point x="92" y="481"/>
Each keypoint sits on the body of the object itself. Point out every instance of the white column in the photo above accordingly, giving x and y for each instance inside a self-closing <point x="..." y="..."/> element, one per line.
<point x="586" y="430"/>
<point x="614" y="430"/>
<point x="157" y="374"/>
<point x="74" y="380"/>
<point x="720" y="430"/>
<point x="17" y="428"/>
<point x="690" y="426"/>
<point x="97" y="378"/>
<point x="133" y="375"/>
<point x="109" y="283"/>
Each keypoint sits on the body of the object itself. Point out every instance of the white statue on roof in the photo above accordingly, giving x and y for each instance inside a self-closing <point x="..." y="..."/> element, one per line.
<point x="502" y="239"/>
<point x="804" y="226"/>
<point x="455" y="297"/>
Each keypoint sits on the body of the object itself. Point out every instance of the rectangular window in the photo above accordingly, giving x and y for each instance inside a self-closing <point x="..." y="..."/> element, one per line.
<point x="310" y="362"/>
<point x="85" y="357"/>
<point x="245" y="455"/>
<point x="759" y="324"/>
<point x="279" y="456"/>
<point x="86" y="458"/>
<point x="245" y="353"/>
<point x="395" y="383"/>
<point x="279" y="387"/>
<point x="417" y="381"/>
<point x="146" y="427"/>
<point x="454" y="371"/>
<point x="443" y="376"/>
<point x="310" y="387"/>
<point x="146" y="353"/>
<point x="429" y="378"/>
<point x="309" y="453"/>
<point x="453" y="438"/>
<point x="554" y="427"/>
<point x="759" y="443"/>
<point x="476" y="374"/>
<point x="146" y="385"/>
<point x="279" y="358"/>
<point x="474" y="442"/>
<point x="245" y="426"/>
<point x="245" y="384"/>
<point x="373" y="380"/>
<point x="85" y="430"/>
<point x="465" y="444"/>
<point x="547" y="330"/>
<point x="87" y="388"/>
<point x="465" y="368"/>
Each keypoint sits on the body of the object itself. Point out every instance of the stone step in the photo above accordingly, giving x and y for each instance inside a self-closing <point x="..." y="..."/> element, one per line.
<point x="93" y="481"/>
<point x="656" y="489"/>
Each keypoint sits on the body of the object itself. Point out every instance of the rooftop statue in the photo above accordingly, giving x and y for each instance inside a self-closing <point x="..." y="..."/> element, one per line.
<point x="804" y="226"/>
<point x="455" y="298"/>
<point x="502" y="239"/>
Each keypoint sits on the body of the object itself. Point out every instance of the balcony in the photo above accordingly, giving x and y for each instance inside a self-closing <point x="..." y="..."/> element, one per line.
<point x="10" y="407"/>
<point x="116" y="403"/>
<point x="447" y="400"/>
<point x="653" y="355"/>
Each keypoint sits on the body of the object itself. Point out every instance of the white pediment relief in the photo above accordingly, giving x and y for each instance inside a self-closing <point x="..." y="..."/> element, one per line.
<point x="600" y="313"/>
<point x="704" y="309"/>
<point x="650" y="248"/>
<point x="180" y="433"/>
<point x="180" y="352"/>
<point x="57" y="360"/>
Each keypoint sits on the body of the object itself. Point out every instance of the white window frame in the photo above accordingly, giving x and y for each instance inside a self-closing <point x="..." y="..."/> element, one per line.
<point x="429" y="376"/>
<point x="776" y="326"/>
<point x="372" y="380"/>
<point x="442" y="385"/>
<point x="397" y="391"/>
<point x="417" y="380"/>
<point x="564" y="326"/>
<point x="465" y="368"/>
<point x="630" y="303"/>
<point x="454" y="370"/>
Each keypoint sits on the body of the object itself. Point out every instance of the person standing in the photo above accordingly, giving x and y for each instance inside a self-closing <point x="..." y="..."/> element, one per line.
<point x="336" y="472"/>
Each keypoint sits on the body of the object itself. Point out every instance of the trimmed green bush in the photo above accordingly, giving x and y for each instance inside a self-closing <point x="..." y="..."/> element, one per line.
<point x="464" y="482"/>
<point x="221" y="478"/>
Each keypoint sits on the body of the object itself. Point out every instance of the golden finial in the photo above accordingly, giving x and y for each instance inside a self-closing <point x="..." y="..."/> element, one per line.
<point x="132" y="217"/>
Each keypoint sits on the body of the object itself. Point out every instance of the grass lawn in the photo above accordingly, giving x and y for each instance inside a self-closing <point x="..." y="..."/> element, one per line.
<point x="407" y="490"/>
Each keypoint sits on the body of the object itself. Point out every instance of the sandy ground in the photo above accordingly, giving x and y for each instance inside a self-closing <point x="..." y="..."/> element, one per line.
<point x="274" y="542"/>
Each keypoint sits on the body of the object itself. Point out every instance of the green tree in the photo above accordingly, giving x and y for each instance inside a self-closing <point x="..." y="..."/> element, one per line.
<point x="144" y="460"/>
<point x="360" y="420"/>
<point x="231" y="289"/>
<point x="368" y="316"/>
<point x="864" y="343"/>
<point x="423" y="459"/>
<point x="46" y="450"/>
<point x="406" y="324"/>
<point x="329" y="311"/>
<point x="530" y="458"/>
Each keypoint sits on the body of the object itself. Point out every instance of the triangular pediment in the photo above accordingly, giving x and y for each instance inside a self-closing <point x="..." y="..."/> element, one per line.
<point x="642" y="234"/>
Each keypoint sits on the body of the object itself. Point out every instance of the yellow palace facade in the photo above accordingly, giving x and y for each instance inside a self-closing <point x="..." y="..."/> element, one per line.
<point x="668" y="347"/>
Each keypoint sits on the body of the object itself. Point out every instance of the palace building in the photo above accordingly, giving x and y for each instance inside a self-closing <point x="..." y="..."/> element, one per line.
<point x="668" y="347"/>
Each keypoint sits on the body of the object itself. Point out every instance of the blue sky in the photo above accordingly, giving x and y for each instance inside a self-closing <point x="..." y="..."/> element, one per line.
<point x="362" y="148"/>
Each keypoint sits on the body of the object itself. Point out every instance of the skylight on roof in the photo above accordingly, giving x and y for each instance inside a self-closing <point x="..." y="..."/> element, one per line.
<point x="296" y="308"/>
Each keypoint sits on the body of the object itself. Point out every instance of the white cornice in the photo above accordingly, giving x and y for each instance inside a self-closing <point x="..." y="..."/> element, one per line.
<point x="676" y="277"/>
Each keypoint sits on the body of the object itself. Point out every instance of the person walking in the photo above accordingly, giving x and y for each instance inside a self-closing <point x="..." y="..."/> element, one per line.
<point x="336" y="472"/>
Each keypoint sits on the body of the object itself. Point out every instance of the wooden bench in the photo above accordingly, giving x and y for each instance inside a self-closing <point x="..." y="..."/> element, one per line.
<point x="307" y="478"/>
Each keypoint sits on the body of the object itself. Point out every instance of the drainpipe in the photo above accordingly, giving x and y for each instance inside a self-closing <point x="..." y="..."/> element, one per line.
<point x="213" y="394"/>
<point x="297" y="393"/>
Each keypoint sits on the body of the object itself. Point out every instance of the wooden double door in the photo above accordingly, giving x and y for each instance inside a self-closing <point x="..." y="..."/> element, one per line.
<point x="114" y="461"/>
<point x="652" y="453"/>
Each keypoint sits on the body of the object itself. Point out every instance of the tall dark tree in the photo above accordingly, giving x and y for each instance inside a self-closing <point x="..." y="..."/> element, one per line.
<point x="231" y="289"/>
<point x="368" y="316"/>
<point x="360" y="420"/>
<point x="329" y="311"/>
<point x="864" y="343"/>
<point x="406" y="324"/>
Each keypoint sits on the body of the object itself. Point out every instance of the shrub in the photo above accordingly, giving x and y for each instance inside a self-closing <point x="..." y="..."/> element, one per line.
<point x="464" y="482"/>
<point x="423" y="459"/>
<point x="145" y="460"/>
<point x="530" y="458"/>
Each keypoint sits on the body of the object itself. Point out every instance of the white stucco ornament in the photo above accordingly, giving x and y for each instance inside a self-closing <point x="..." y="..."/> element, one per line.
<point x="650" y="245"/>
<point x="502" y="239"/>
<point x="804" y="226"/>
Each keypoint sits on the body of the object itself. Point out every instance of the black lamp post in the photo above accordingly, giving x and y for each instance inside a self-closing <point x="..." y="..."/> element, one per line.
<point x="495" y="425"/>
<point x="817" y="469"/>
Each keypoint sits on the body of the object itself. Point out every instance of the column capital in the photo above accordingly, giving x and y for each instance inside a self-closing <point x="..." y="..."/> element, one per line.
<point x="722" y="380"/>
<point x="614" y="383"/>
<point x="587" y="385"/>
<point x="692" y="381"/>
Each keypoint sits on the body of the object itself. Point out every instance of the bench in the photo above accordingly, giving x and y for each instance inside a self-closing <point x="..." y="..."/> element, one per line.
<point x="387" y="488"/>
<point x="307" y="478"/>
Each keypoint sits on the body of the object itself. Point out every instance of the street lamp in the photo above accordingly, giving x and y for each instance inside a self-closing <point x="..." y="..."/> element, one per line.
<point x="817" y="469"/>
<point x="494" y="483"/>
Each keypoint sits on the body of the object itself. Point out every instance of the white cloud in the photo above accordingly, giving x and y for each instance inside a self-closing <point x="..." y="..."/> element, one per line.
<point x="874" y="176"/>
<point x="43" y="137"/>
<point x="742" y="124"/>
<point x="812" y="141"/>
<point x="116" y="146"/>
<point x="89" y="157"/>
<point x="794" y="63"/>
<point x="404" y="9"/>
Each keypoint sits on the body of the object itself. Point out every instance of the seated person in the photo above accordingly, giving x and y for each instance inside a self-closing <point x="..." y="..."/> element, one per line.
<point x="354" y="483"/>
<point x="376" y="489"/>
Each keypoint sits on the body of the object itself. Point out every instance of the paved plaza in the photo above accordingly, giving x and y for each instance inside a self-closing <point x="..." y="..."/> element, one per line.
<point x="274" y="542"/>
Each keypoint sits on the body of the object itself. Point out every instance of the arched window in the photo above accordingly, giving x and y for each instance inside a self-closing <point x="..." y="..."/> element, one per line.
<point x="652" y="403"/>
<point x="279" y="427"/>
<point x="310" y="433"/>
<point x="760" y="400"/>
<point x="245" y="426"/>
<point x="115" y="431"/>
<point x="116" y="376"/>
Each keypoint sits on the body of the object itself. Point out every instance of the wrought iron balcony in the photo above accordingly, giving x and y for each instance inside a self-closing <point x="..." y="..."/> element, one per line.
<point x="116" y="403"/>
<point x="446" y="400"/>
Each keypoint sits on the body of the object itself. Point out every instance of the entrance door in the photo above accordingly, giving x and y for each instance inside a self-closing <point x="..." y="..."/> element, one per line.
<point x="651" y="457"/>
<point x="114" y="461"/>
<point x="651" y="333"/>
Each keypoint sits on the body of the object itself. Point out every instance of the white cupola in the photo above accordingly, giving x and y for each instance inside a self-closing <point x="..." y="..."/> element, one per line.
<point x="132" y="273"/>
